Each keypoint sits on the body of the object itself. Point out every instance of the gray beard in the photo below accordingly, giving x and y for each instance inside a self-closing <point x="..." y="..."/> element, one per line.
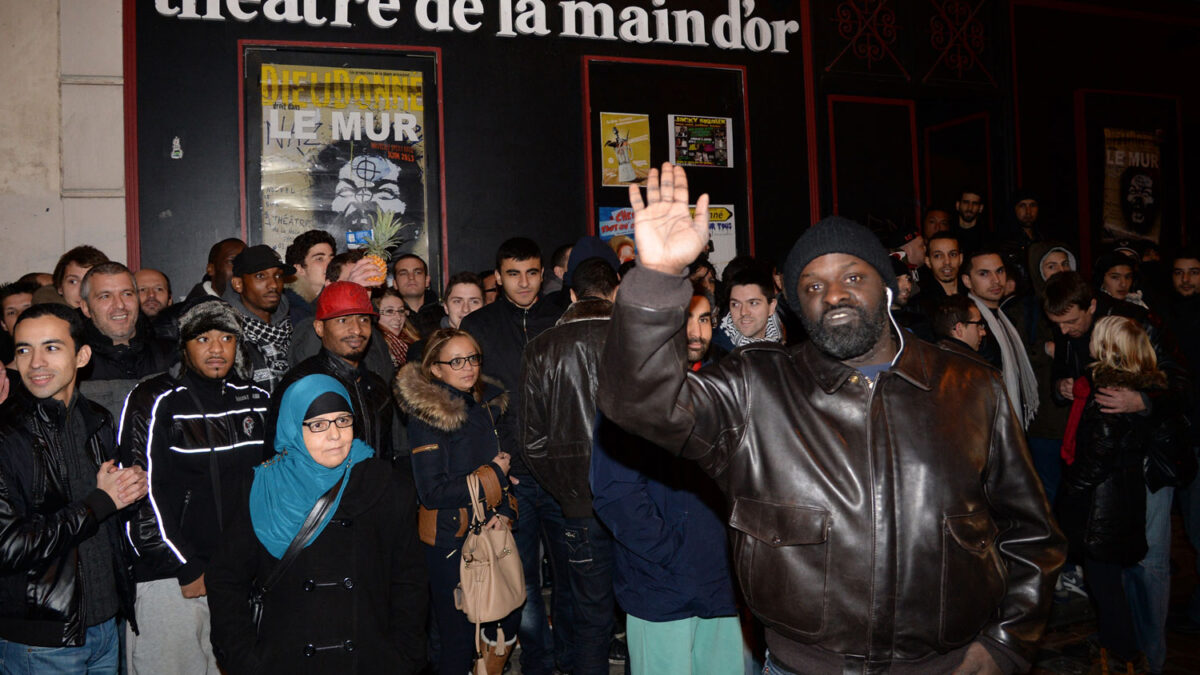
<point x="851" y="340"/>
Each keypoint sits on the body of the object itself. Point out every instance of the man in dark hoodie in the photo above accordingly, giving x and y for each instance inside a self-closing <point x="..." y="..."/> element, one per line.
<point x="124" y="346"/>
<point x="256" y="292"/>
<point x="197" y="431"/>
<point x="666" y="515"/>
<point x="558" y="416"/>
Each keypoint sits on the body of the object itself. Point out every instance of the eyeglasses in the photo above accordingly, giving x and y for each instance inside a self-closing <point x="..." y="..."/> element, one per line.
<point x="979" y="323"/>
<point x="458" y="363"/>
<point x="318" y="426"/>
<point x="393" y="312"/>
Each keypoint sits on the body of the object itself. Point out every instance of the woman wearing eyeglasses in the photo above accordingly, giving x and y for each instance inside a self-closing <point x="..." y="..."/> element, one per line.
<point x="455" y="422"/>
<point x="350" y="597"/>
<point x="395" y="327"/>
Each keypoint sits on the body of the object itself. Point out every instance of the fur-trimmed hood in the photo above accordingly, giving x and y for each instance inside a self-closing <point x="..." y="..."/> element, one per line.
<point x="1103" y="376"/>
<point x="439" y="405"/>
<point x="586" y="308"/>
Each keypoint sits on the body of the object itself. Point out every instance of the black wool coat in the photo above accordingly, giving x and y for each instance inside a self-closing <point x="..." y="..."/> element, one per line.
<point x="353" y="601"/>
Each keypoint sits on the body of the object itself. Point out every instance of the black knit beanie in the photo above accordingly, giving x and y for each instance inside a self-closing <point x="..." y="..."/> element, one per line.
<point x="835" y="234"/>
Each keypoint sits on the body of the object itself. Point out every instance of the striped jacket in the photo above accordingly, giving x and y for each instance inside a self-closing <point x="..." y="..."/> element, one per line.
<point x="180" y="427"/>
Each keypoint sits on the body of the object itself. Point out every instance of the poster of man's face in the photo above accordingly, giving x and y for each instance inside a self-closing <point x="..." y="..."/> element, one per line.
<point x="1137" y="199"/>
<point x="355" y="183"/>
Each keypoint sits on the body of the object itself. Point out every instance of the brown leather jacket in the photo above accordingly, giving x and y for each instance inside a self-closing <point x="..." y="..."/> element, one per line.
<point x="893" y="523"/>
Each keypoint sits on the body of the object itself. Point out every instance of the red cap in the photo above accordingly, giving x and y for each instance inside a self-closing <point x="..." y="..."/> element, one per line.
<point x="343" y="298"/>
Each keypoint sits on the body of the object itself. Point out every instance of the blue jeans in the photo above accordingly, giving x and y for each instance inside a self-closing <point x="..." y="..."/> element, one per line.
<point x="772" y="668"/>
<point x="539" y="515"/>
<point x="590" y="563"/>
<point x="98" y="655"/>
<point x="1189" y="504"/>
<point x="1148" y="583"/>
<point x="1047" y="461"/>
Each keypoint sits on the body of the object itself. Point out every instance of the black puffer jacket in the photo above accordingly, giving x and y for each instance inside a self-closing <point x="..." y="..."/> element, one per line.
<point x="1103" y="508"/>
<point x="176" y="529"/>
<point x="42" y="524"/>
<point x="559" y="381"/>
<point x="353" y="602"/>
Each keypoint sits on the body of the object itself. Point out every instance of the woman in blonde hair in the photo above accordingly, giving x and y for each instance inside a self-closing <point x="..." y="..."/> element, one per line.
<point x="455" y="422"/>
<point x="1103" y="505"/>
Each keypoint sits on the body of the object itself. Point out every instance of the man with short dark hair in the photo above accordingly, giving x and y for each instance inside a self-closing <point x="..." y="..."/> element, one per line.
<point x="218" y="269"/>
<point x="936" y="220"/>
<point x="344" y="324"/>
<point x="124" y="346"/>
<point x="967" y="228"/>
<point x="310" y="253"/>
<point x="558" y="270"/>
<point x="256" y="292"/>
<point x="944" y="259"/>
<point x="70" y="270"/>
<point x="845" y="505"/>
<point x="959" y="326"/>
<point x="751" y="316"/>
<point x="65" y="569"/>
<point x="558" y="415"/>
<point x="410" y="277"/>
<point x="198" y="432"/>
<point x="985" y="277"/>
<point x="665" y="514"/>
<point x="154" y="291"/>
<point x="503" y="329"/>
<point x="1183" y="318"/>
<point x="491" y="287"/>
<point x="15" y="298"/>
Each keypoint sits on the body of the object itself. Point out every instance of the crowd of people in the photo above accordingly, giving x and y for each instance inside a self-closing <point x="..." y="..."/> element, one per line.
<point x="893" y="450"/>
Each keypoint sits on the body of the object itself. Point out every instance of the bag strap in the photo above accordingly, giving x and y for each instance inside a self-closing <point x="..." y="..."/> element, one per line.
<point x="214" y="470"/>
<point x="318" y="513"/>
<point x="474" y="487"/>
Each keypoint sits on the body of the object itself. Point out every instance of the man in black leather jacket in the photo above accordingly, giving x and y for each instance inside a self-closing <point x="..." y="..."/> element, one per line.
<point x="65" y="575"/>
<point x="886" y="514"/>
<point x="344" y="323"/>
<point x="557" y="417"/>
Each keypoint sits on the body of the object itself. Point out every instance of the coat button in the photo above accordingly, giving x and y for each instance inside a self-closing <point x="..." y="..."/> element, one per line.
<point x="348" y="645"/>
<point x="854" y="379"/>
<point x="310" y="649"/>
<point x="777" y="540"/>
<point x="310" y="585"/>
<point x="348" y="583"/>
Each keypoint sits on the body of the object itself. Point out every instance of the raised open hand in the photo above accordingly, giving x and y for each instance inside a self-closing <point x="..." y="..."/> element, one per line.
<point x="668" y="237"/>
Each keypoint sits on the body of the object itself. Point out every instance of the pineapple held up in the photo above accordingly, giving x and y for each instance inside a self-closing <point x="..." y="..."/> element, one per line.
<point x="384" y="235"/>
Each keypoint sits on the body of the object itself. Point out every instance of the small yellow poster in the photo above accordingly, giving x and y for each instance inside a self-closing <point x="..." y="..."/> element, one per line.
<point x="624" y="148"/>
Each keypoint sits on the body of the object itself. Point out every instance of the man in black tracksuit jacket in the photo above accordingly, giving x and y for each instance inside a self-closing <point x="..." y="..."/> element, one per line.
<point x="198" y="430"/>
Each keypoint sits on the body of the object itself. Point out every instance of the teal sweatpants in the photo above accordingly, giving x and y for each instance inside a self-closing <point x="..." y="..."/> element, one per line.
<point x="691" y="646"/>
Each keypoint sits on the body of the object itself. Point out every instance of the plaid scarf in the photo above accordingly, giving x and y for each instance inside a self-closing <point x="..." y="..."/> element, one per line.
<point x="772" y="334"/>
<point x="273" y="342"/>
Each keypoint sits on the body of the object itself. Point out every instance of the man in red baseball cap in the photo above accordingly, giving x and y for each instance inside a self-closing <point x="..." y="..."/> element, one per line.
<point x="343" y="321"/>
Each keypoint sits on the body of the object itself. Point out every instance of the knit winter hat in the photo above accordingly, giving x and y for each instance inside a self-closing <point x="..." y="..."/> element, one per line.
<point x="835" y="234"/>
<point x="215" y="314"/>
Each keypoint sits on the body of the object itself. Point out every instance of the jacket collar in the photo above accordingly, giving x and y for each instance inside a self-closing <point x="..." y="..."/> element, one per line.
<point x="910" y="362"/>
<point x="585" y="309"/>
<point x="440" y="406"/>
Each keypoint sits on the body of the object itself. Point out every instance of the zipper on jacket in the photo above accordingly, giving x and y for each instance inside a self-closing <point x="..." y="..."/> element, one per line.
<point x="187" y="499"/>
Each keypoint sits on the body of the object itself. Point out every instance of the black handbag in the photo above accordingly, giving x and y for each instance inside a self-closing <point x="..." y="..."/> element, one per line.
<point x="318" y="513"/>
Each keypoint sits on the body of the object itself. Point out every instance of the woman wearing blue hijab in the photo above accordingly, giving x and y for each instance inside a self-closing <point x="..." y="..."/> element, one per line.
<point x="354" y="598"/>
